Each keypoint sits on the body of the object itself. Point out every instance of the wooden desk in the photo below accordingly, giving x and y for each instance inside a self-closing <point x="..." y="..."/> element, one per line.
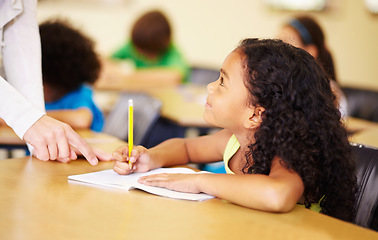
<point x="356" y="125"/>
<point x="38" y="202"/>
<point x="9" y="137"/>
<point x="10" y="142"/>
<point x="362" y="131"/>
<point x="101" y="140"/>
<point x="183" y="105"/>
<point x="367" y="137"/>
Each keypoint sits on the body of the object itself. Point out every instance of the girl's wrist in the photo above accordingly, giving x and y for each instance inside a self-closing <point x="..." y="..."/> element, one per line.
<point x="200" y="181"/>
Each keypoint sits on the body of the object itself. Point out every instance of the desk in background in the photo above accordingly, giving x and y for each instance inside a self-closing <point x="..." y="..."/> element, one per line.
<point x="101" y="140"/>
<point x="367" y="137"/>
<point x="356" y="125"/>
<point x="181" y="112"/>
<point x="183" y="104"/>
<point x="38" y="202"/>
<point x="363" y="131"/>
<point x="10" y="144"/>
<point x="9" y="137"/>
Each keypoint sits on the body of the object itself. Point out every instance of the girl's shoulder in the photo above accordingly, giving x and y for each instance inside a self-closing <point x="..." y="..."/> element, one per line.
<point x="220" y="139"/>
<point x="215" y="145"/>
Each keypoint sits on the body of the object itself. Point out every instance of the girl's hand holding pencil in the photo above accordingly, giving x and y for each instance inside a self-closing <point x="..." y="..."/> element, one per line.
<point x="139" y="159"/>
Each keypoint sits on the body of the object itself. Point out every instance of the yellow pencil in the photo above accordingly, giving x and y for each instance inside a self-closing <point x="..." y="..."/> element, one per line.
<point x="131" y="128"/>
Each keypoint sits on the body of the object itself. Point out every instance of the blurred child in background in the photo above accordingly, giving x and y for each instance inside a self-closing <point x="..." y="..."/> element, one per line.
<point x="151" y="50"/>
<point x="304" y="32"/>
<point x="69" y="67"/>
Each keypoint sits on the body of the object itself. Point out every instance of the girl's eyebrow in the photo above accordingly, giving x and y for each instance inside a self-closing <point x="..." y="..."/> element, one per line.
<point x="224" y="72"/>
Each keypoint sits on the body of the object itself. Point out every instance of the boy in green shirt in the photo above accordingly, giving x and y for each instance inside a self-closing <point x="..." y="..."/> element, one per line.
<point x="151" y="47"/>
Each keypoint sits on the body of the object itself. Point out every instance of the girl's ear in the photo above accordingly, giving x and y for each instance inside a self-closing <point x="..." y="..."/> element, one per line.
<point x="255" y="119"/>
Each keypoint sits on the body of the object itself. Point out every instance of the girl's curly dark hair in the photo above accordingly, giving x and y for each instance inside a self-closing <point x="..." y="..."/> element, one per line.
<point x="68" y="56"/>
<point x="301" y="124"/>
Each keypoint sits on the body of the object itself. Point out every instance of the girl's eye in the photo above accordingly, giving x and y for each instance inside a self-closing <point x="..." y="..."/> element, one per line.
<point x="221" y="81"/>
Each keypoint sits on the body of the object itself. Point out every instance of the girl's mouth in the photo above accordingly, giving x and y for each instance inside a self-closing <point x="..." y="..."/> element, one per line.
<point x="207" y="104"/>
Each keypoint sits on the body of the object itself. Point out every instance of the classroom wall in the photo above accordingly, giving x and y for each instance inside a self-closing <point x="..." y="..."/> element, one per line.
<point x="207" y="30"/>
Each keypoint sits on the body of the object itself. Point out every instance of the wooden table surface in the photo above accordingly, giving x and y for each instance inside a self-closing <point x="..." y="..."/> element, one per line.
<point x="184" y="104"/>
<point x="356" y="125"/>
<point x="9" y="137"/>
<point x="38" y="202"/>
<point x="367" y="137"/>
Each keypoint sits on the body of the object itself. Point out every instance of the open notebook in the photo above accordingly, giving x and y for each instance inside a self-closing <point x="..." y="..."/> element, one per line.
<point x="109" y="178"/>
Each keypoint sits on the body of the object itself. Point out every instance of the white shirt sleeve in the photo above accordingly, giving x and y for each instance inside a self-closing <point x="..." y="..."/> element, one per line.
<point x="23" y="104"/>
<point x="17" y="112"/>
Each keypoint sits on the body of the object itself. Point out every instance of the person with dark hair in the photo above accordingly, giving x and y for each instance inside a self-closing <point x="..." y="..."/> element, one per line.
<point x="154" y="56"/>
<point x="305" y="32"/>
<point x="151" y="37"/>
<point x="69" y="66"/>
<point x="283" y="142"/>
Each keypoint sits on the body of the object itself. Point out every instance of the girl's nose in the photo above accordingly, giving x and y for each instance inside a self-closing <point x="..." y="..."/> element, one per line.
<point x="210" y="86"/>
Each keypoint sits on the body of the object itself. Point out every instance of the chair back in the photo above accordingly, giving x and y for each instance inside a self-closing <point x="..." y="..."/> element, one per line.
<point x="146" y="112"/>
<point x="367" y="180"/>
<point x="357" y="103"/>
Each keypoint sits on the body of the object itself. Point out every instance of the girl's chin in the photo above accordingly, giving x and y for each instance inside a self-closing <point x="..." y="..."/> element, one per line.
<point x="207" y="118"/>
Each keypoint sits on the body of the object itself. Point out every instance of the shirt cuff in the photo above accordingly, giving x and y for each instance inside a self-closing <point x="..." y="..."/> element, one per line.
<point x="24" y="122"/>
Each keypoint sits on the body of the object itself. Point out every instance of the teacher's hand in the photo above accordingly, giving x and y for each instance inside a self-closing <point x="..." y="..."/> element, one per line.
<point x="55" y="140"/>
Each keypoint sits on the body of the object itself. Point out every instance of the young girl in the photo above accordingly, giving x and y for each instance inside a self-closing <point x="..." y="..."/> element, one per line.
<point x="282" y="140"/>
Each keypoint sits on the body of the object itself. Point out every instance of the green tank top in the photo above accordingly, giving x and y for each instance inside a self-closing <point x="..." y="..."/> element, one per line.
<point x="232" y="147"/>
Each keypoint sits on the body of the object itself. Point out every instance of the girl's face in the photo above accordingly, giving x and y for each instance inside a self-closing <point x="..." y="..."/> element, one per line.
<point x="227" y="102"/>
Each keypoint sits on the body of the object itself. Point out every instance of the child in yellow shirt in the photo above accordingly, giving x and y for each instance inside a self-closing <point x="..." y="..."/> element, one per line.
<point x="282" y="137"/>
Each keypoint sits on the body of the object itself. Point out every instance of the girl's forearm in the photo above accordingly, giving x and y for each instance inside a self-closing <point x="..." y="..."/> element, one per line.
<point x="170" y="152"/>
<point x="253" y="191"/>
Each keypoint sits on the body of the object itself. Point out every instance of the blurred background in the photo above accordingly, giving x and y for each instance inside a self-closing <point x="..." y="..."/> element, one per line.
<point x="207" y="30"/>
